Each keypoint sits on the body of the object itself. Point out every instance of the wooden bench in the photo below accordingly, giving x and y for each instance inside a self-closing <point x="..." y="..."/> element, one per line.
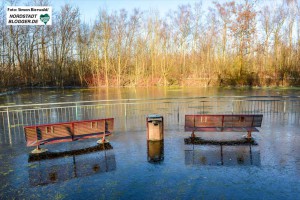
<point x="66" y="132"/>
<point x="223" y="123"/>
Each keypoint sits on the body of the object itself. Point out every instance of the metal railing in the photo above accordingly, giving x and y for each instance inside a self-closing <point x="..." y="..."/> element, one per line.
<point x="130" y="114"/>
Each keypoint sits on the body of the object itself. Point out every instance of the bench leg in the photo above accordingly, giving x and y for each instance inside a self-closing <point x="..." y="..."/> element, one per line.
<point x="249" y="137"/>
<point x="193" y="134"/>
<point x="103" y="140"/>
<point x="38" y="150"/>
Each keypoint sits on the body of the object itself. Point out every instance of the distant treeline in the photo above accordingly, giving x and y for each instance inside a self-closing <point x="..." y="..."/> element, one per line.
<point x="255" y="43"/>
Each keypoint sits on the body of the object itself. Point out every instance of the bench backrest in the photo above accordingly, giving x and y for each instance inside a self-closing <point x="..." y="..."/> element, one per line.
<point x="69" y="131"/>
<point x="222" y="121"/>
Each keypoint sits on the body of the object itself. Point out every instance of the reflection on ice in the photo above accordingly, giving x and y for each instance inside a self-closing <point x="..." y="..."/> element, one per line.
<point x="242" y="155"/>
<point x="63" y="169"/>
<point x="155" y="151"/>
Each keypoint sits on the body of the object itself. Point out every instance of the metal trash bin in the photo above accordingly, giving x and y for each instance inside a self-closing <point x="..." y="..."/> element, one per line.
<point x="155" y="127"/>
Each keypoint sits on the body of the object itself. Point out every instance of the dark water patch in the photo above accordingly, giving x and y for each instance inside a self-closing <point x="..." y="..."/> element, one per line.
<point x="51" y="155"/>
<point x="199" y="141"/>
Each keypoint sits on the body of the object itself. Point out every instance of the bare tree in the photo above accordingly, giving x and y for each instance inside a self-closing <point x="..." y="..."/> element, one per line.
<point x="120" y="29"/>
<point x="182" y="21"/>
<point x="83" y="47"/>
<point x="233" y="43"/>
<point x="67" y="21"/>
<point x="225" y="12"/>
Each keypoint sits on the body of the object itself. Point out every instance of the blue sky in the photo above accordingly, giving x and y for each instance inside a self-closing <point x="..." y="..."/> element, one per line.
<point x="89" y="8"/>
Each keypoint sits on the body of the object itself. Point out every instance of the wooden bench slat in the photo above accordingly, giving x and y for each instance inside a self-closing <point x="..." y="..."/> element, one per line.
<point x="220" y="129"/>
<point x="66" y="132"/>
<point x="223" y="123"/>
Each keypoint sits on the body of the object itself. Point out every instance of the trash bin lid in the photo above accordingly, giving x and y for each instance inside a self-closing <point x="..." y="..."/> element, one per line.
<point x="153" y="116"/>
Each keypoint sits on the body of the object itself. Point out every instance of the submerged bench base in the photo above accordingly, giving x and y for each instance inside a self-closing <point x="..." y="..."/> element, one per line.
<point x="38" y="150"/>
<point x="199" y="141"/>
<point x="50" y="155"/>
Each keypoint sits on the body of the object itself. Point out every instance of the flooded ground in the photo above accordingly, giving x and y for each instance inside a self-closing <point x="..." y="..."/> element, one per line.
<point x="33" y="96"/>
<point x="268" y="170"/>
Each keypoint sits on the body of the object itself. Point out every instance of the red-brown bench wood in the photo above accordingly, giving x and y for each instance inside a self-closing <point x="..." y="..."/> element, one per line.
<point x="223" y="123"/>
<point x="69" y="131"/>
